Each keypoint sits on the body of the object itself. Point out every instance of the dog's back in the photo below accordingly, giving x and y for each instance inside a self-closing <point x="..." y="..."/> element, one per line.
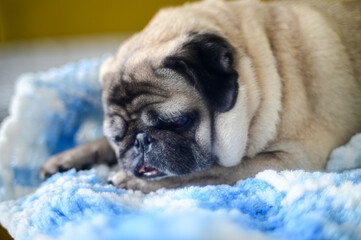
<point x="347" y="17"/>
<point x="316" y="46"/>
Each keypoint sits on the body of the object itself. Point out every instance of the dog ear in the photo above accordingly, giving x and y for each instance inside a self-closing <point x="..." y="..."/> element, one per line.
<point x="206" y="62"/>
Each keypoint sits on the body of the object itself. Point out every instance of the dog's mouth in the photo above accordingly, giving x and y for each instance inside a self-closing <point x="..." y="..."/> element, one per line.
<point x="147" y="171"/>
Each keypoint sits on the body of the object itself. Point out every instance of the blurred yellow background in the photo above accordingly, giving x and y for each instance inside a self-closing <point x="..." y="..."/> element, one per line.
<point x="33" y="19"/>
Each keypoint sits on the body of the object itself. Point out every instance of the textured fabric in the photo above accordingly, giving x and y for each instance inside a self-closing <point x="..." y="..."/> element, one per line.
<point x="286" y="205"/>
<point x="61" y="108"/>
<point x="50" y="112"/>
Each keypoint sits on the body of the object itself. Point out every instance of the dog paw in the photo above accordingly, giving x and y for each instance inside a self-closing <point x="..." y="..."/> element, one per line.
<point x="57" y="163"/>
<point x="63" y="162"/>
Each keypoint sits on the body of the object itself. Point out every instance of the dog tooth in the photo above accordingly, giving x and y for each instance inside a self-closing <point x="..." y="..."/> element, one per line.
<point x="148" y="174"/>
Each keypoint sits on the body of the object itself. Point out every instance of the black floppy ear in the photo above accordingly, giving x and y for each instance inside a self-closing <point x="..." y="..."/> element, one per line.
<point x="206" y="62"/>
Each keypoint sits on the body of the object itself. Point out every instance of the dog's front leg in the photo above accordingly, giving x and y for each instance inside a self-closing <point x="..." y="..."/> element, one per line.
<point x="82" y="157"/>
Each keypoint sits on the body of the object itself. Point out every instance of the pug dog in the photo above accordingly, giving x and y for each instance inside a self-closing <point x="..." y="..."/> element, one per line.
<point x="215" y="91"/>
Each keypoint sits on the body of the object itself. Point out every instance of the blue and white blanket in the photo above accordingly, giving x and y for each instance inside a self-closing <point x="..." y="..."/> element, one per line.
<point x="61" y="108"/>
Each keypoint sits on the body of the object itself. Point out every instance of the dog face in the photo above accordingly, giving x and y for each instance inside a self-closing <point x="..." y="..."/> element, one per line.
<point x="160" y="103"/>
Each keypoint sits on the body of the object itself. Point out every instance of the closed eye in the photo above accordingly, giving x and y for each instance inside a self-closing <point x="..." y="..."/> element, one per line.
<point x="179" y="123"/>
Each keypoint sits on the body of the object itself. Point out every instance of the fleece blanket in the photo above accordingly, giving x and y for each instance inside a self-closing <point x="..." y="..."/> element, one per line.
<point x="61" y="108"/>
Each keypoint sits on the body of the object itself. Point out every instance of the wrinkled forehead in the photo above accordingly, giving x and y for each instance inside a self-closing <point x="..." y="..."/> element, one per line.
<point x="147" y="86"/>
<point x="136" y="78"/>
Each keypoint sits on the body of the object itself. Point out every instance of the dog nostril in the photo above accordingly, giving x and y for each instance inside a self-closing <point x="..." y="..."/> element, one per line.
<point x="142" y="140"/>
<point x="147" y="140"/>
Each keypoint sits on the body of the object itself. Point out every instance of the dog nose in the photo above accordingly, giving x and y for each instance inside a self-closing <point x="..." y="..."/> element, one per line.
<point x="142" y="141"/>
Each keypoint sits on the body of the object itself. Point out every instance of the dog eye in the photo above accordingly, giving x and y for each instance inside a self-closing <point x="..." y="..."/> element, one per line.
<point x="180" y="123"/>
<point x="114" y="128"/>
